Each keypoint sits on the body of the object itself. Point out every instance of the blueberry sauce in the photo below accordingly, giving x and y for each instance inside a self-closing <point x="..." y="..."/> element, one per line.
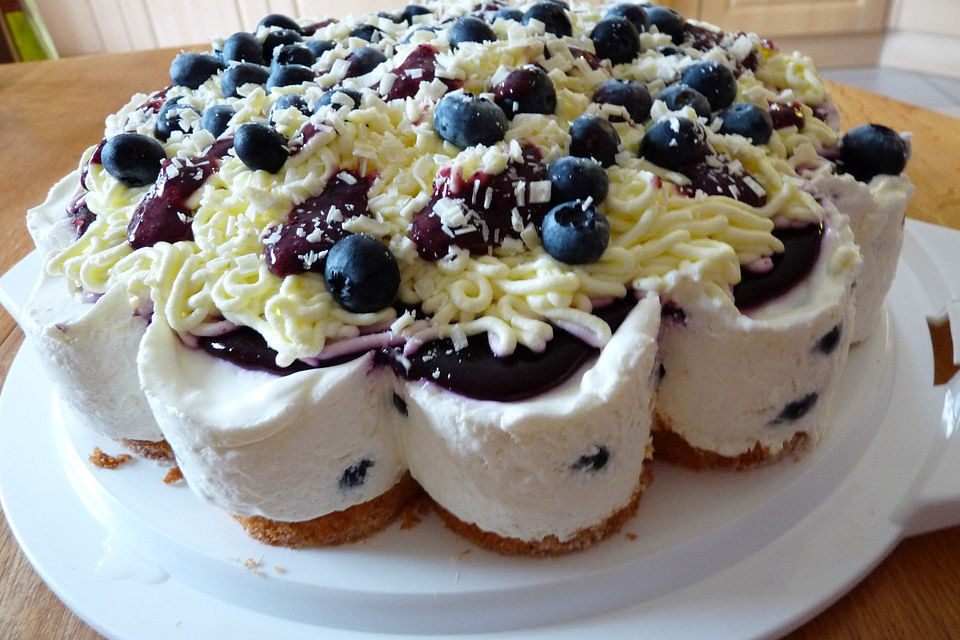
<point x="702" y="39"/>
<point x="801" y="250"/>
<point x="163" y="215"/>
<point x="787" y="114"/>
<point x="95" y="158"/>
<point x="489" y="202"/>
<point x="301" y="243"/>
<point x="155" y="101"/>
<point x="79" y="214"/>
<point x="420" y="66"/>
<point x="246" y="348"/>
<point x="474" y="371"/>
<point x="719" y="178"/>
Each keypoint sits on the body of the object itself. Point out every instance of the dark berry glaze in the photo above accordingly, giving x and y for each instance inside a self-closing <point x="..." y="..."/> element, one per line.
<point x="300" y="244"/>
<point x="163" y="215"/>
<point x="95" y="158"/>
<point x="787" y="114"/>
<point x="800" y="253"/>
<point x="246" y="348"/>
<point x="419" y="66"/>
<point x="475" y="372"/>
<point x="701" y="39"/>
<point x="79" y="214"/>
<point x="155" y="101"/>
<point x="716" y="177"/>
<point x="592" y="60"/>
<point x="491" y="224"/>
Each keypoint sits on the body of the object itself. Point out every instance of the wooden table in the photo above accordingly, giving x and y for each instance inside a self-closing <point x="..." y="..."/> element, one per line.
<point x="51" y="111"/>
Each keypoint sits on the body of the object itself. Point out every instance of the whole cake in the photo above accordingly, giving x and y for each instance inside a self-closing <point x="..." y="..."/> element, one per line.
<point x="503" y="253"/>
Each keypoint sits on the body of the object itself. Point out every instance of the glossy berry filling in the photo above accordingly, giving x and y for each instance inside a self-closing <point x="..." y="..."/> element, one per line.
<point x="800" y="253"/>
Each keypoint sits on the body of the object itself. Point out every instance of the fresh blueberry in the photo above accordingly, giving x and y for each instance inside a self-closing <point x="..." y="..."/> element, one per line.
<point x="132" y="158"/>
<point x="674" y="142"/>
<point x="575" y="233"/>
<point x="293" y="54"/>
<point x="466" y="120"/>
<point x="216" y="118"/>
<point x="288" y="100"/>
<point x="409" y="38"/>
<point x="340" y="97"/>
<point x="279" y="38"/>
<point x="289" y="75"/>
<point x="678" y="96"/>
<point x="616" y="39"/>
<point x="561" y="3"/>
<point x="370" y="33"/>
<point x="193" y="69"/>
<point x="470" y="29"/>
<point x="747" y="120"/>
<point x="526" y="90"/>
<point x="873" y="149"/>
<point x="320" y="47"/>
<point x="669" y="50"/>
<point x="552" y="15"/>
<point x="667" y="21"/>
<point x="363" y="61"/>
<point x="411" y="11"/>
<point x="241" y="74"/>
<point x="170" y="117"/>
<point x="243" y="47"/>
<point x="713" y="80"/>
<point x="260" y="147"/>
<point x="362" y="274"/>
<point x="592" y="136"/>
<point x="508" y="13"/>
<point x="279" y="20"/>
<point x="574" y="178"/>
<point x="632" y="12"/>
<point x="629" y="94"/>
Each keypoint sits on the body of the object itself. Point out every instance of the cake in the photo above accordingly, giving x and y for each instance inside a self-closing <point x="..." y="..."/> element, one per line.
<point x="502" y="254"/>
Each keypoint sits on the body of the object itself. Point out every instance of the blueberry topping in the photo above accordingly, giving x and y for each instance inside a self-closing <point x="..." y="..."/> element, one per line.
<point x="787" y="114"/>
<point x="470" y="29"/>
<point x="575" y="233"/>
<point x="216" y="118"/>
<point x="592" y="462"/>
<point x="170" y="118"/>
<point x="552" y="15"/>
<point x="669" y="50"/>
<point x="678" y="96"/>
<point x="616" y="39"/>
<point x="747" y="120"/>
<point x="829" y="342"/>
<point x="260" y="147"/>
<point x="362" y="274"/>
<point x="592" y="136"/>
<point x="674" y="142"/>
<point x="356" y="475"/>
<point x="411" y="11"/>
<point x="242" y="47"/>
<point x="796" y="409"/>
<point x="573" y="178"/>
<point x="370" y="33"/>
<point x="193" y="69"/>
<point x="293" y="54"/>
<point x="713" y="80"/>
<point x="279" y="38"/>
<point x="526" y="90"/>
<point x="801" y="249"/>
<point x="244" y="73"/>
<point x="340" y="98"/>
<point x="279" y="20"/>
<point x="667" y="21"/>
<point x="290" y="75"/>
<point x="632" y="12"/>
<point x="288" y="100"/>
<point x="320" y="47"/>
<point x="400" y="404"/>
<point x="629" y="94"/>
<point x="508" y="13"/>
<point x="363" y="61"/>
<point x="872" y="149"/>
<point x="465" y="120"/>
<point x="409" y="38"/>
<point x="132" y="158"/>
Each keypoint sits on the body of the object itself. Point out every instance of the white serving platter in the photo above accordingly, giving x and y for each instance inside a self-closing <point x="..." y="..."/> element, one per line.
<point x="724" y="555"/>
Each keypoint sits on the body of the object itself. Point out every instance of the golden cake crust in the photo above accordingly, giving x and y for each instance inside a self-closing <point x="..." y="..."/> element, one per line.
<point x="551" y="545"/>
<point x="149" y="449"/>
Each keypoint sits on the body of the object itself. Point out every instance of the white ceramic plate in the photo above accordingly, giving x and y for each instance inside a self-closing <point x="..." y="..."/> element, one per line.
<point x="723" y="555"/>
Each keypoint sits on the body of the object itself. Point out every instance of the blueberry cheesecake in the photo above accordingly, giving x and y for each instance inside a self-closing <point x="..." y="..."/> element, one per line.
<point x="500" y="253"/>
